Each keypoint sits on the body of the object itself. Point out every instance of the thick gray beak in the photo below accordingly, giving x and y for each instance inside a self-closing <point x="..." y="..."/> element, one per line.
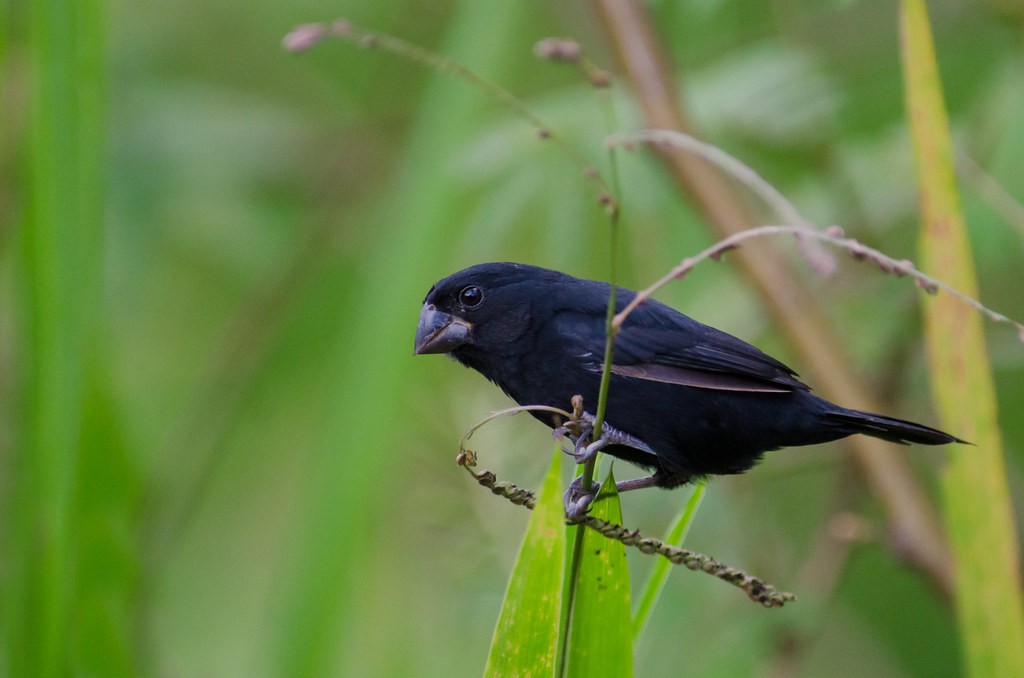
<point x="439" y="332"/>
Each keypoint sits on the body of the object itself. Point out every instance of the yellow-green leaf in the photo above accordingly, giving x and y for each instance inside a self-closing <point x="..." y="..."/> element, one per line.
<point x="978" y="513"/>
<point x="526" y="638"/>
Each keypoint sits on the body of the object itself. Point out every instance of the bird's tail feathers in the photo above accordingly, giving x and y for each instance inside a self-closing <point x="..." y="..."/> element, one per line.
<point x="890" y="428"/>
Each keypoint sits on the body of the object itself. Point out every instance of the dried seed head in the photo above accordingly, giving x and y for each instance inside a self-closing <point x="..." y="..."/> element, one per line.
<point x="720" y="252"/>
<point x="601" y="79"/>
<point x="342" y="28"/>
<point x="558" y="49"/>
<point x="303" y="37"/>
<point x="927" y="286"/>
<point x="850" y="528"/>
<point x="684" y="267"/>
<point x="858" y="251"/>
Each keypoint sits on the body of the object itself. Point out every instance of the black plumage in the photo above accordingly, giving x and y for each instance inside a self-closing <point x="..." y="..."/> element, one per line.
<point x="691" y="400"/>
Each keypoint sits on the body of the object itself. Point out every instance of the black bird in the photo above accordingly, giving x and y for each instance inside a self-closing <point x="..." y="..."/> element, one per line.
<point x="685" y="400"/>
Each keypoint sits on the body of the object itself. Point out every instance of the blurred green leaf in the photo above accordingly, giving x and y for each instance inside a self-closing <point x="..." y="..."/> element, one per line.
<point x="979" y="515"/>
<point x="526" y="637"/>
<point x="662" y="566"/>
<point x="419" y="222"/>
<point x="59" y="271"/>
<point x="270" y="223"/>
<point x="601" y="637"/>
<point x="107" y="502"/>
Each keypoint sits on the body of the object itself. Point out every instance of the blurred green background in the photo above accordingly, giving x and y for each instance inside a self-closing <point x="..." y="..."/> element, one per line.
<point x="257" y="478"/>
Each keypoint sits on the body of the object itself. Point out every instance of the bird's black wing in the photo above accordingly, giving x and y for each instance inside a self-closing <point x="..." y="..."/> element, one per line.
<point x="661" y="344"/>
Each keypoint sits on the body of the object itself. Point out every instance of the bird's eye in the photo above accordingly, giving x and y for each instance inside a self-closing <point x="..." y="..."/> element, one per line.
<point x="471" y="296"/>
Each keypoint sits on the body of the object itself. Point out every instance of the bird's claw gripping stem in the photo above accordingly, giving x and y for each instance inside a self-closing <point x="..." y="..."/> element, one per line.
<point x="582" y="450"/>
<point x="580" y="431"/>
<point x="577" y="502"/>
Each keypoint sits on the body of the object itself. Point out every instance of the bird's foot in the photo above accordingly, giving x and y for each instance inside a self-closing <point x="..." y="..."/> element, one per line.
<point x="577" y="502"/>
<point x="577" y="426"/>
<point x="580" y="431"/>
<point x="577" y="434"/>
<point x="637" y="483"/>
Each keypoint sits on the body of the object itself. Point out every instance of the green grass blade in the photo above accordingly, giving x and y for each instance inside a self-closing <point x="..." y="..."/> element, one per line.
<point x="662" y="567"/>
<point x="106" y="637"/>
<point x="601" y="638"/>
<point x="526" y="636"/>
<point x="979" y="515"/>
<point x="58" y="274"/>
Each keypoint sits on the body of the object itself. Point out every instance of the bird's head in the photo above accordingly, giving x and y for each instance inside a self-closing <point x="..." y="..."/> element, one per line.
<point x="480" y="311"/>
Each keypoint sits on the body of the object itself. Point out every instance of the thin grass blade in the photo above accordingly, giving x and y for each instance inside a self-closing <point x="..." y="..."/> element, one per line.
<point x="58" y="273"/>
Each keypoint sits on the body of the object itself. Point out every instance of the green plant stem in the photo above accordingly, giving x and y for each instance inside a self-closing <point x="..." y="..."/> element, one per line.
<point x="569" y="595"/>
<point x="587" y="472"/>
